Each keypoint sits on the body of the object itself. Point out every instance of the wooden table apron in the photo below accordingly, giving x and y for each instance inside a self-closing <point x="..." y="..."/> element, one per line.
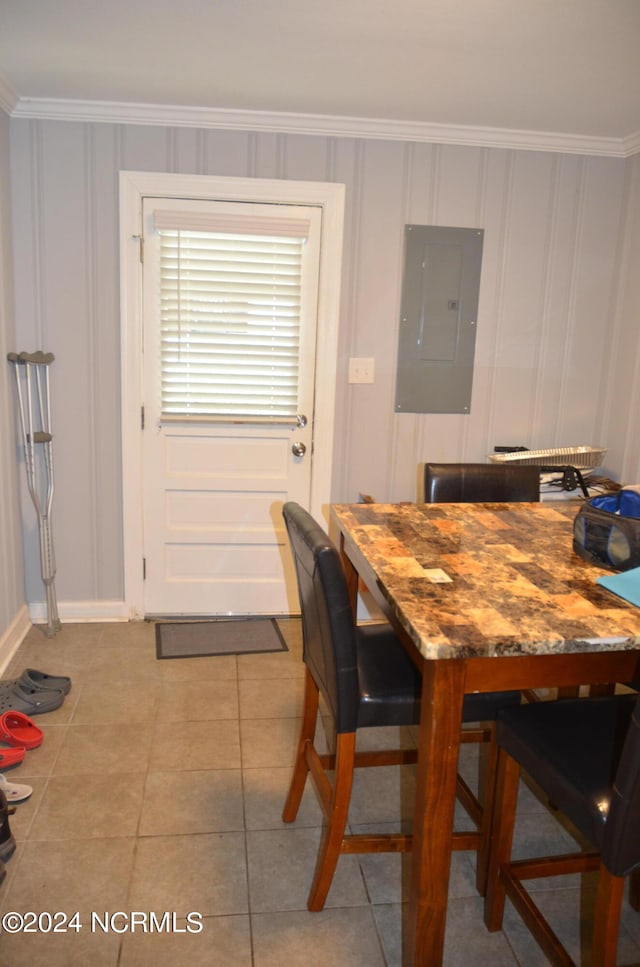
<point x="446" y="679"/>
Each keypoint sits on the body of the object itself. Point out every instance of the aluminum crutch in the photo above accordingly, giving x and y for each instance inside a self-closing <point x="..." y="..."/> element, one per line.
<point x="34" y="405"/>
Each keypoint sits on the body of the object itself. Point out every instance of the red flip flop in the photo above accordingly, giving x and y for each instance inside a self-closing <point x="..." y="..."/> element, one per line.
<point x="18" y="729"/>
<point x="11" y="757"/>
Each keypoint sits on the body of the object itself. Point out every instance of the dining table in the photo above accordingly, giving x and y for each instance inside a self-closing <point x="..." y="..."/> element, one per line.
<point x="485" y="597"/>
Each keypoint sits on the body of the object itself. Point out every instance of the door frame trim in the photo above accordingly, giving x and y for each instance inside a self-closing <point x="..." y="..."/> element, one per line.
<point x="134" y="186"/>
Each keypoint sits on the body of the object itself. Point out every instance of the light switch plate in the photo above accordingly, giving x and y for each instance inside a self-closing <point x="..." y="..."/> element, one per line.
<point x="361" y="369"/>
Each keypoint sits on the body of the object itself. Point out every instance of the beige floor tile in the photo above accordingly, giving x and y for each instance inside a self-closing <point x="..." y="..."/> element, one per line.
<point x="195" y="745"/>
<point x="192" y="802"/>
<point x="267" y="667"/>
<point x="89" y="806"/>
<point x="131" y="634"/>
<point x="564" y="922"/>
<point x="538" y="834"/>
<point x="271" y="699"/>
<point x="67" y="654"/>
<point x="281" y="865"/>
<point x="195" y="825"/>
<point x="222" y="942"/>
<point x="101" y="749"/>
<point x="120" y="703"/>
<point x="40" y="761"/>
<point x="389" y="920"/>
<point x="71" y="633"/>
<point x="291" y="631"/>
<point x="388" y="875"/>
<point x="197" y="701"/>
<point x="71" y="949"/>
<point x="466" y="939"/>
<point x="382" y="795"/>
<point x="84" y="875"/>
<point x="265" y="791"/>
<point x="110" y="665"/>
<point x="222" y="668"/>
<point x="332" y="938"/>
<point x="204" y="874"/>
<point x="569" y="911"/>
<point x="268" y="743"/>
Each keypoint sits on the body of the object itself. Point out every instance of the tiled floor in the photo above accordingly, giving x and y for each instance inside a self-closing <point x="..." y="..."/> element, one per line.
<point x="158" y="789"/>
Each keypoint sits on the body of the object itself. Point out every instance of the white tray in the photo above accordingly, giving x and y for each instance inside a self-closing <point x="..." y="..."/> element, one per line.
<point x="584" y="458"/>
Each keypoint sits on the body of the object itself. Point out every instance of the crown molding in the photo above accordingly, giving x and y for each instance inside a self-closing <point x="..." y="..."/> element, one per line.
<point x="632" y="144"/>
<point x="8" y="96"/>
<point x="333" y="126"/>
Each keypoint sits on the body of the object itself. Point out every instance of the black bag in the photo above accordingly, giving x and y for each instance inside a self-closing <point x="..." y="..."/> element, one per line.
<point x="606" y="530"/>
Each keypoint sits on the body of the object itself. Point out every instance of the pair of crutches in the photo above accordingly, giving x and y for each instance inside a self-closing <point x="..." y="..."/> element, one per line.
<point x="32" y="385"/>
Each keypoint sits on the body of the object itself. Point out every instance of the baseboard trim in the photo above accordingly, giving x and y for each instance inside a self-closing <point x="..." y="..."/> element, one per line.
<point x="74" y="612"/>
<point x="11" y="639"/>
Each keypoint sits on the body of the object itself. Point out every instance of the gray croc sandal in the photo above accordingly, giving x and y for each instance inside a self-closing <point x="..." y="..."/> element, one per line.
<point x="30" y="701"/>
<point x="32" y="678"/>
<point x="8" y="686"/>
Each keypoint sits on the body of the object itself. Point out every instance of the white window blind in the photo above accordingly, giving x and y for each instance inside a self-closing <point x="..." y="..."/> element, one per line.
<point x="230" y="298"/>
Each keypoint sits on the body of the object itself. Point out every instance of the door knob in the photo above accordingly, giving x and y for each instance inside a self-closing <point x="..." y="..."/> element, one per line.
<point x="298" y="449"/>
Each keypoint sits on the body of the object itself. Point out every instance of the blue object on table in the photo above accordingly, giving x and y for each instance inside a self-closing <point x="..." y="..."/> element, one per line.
<point x="626" y="585"/>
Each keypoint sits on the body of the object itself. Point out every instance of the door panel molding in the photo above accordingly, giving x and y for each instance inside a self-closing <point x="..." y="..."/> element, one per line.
<point x="134" y="186"/>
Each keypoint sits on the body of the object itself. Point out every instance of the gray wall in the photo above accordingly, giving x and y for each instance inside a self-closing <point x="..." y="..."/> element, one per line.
<point x="557" y="328"/>
<point x="622" y="377"/>
<point x="11" y="562"/>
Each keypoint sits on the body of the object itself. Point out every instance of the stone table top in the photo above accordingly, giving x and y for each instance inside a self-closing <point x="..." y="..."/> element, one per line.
<point x="512" y="584"/>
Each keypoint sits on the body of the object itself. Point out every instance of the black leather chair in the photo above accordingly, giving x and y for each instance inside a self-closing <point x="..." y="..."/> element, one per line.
<point x="457" y="483"/>
<point x="585" y="755"/>
<point x="366" y="679"/>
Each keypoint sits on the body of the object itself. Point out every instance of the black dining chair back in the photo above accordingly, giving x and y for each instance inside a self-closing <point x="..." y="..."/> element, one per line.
<point x="479" y="483"/>
<point x="620" y="845"/>
<point x="329" y="637"/>
<point x="584" y="754"/>
<point x="351" y="683"/>
<point x="365" y="678"/>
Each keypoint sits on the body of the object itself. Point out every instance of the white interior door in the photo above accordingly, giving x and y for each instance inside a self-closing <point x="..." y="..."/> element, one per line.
<point x="217" y="469"/>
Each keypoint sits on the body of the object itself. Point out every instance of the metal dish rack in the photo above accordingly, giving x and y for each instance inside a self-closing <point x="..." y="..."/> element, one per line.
<point x="583" y="458"/>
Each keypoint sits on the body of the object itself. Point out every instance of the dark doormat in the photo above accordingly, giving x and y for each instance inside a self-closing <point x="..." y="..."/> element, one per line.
<point x="222" y="636"/>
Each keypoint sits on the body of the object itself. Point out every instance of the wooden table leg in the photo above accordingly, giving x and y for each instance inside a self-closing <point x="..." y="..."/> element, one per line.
<point x="439" y="743"/>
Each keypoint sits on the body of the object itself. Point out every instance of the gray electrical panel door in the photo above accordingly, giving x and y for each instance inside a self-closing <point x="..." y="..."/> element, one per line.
<point x="438" y="319"/>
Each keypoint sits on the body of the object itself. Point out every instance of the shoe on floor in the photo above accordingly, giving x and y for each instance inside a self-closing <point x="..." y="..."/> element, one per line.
<point x="15" y="792"/>
<point x="18" y="729"/>
<point x="32" y="678"/>
<point x="7" y="841"/>
<point x="31" y="701"/>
